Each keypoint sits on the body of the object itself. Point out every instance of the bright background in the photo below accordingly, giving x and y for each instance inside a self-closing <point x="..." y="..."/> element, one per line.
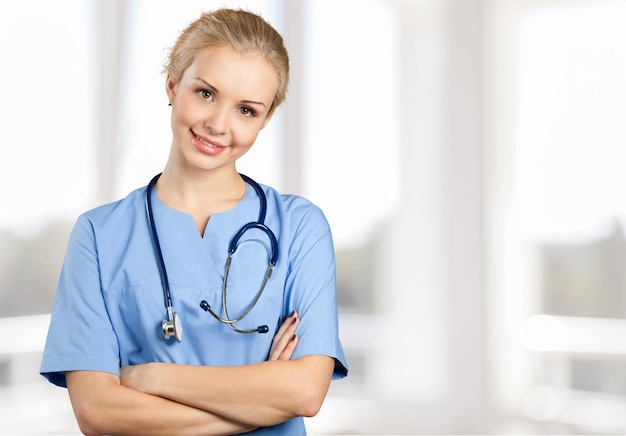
<point x="467" y="153"/>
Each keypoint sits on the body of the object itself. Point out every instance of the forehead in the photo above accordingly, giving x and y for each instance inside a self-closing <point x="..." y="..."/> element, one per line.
<point x="231" y="72"/>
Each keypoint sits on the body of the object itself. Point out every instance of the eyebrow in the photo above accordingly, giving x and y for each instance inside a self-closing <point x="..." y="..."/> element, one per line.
<point x="214" y="89"/>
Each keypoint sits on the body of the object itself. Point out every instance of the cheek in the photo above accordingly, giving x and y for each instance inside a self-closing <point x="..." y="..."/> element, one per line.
<point x="246" y="136"/>
<point x="251" y="140"/>
<point x="185" y="111"/>
<point x="182" y="121"/>
<point x="176" y="118"/>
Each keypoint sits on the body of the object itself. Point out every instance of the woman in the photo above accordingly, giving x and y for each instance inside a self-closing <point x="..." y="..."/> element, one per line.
<point x="239" y="366"/>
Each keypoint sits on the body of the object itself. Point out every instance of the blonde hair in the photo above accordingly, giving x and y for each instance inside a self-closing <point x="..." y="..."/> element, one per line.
<point x="240" y="30"/>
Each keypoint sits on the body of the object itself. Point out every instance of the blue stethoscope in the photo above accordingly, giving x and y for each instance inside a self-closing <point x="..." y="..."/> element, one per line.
<point x="172" y="326"/>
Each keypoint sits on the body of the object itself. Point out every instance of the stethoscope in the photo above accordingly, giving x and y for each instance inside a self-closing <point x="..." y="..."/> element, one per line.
<point x="172" y="326"/>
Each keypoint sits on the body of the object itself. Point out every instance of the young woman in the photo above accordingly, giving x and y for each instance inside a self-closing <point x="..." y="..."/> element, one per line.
<point x="239" y="266"/>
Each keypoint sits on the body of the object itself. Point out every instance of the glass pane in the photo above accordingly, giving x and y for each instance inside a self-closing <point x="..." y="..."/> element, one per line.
<point x="571" y="186"/>
<point x="46" y="129"/>
<point x="572" y="103"/>
<point x="351" y="133"/>
<point x="571" y="183"/>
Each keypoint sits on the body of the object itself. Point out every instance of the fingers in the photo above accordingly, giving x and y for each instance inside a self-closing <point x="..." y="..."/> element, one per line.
<point x="286" y="324"/>
<point x="285" y="340"/>
<point x="283" y="337"/>
<point x="290" y="348"/>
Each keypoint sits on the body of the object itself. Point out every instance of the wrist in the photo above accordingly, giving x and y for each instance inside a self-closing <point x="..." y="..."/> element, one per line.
<point x="157" y="379"/>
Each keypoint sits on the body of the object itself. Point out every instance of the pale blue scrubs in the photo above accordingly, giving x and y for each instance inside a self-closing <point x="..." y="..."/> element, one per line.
<point x="109" y="304"/>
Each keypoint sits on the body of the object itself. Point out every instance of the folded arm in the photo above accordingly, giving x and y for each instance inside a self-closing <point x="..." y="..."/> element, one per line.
<point x="261" y="394"/>
<point x="104" y="405"/>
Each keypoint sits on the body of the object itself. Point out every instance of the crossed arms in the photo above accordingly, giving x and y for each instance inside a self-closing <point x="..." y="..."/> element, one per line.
<point x="165" y="398"/>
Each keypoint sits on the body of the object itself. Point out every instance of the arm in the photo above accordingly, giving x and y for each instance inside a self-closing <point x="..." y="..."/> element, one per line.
<point x="103" y="405"/>
<point x="261" y="394"/>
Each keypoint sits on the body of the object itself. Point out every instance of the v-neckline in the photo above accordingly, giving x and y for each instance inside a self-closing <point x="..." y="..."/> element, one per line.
<point x="218" y="215"/>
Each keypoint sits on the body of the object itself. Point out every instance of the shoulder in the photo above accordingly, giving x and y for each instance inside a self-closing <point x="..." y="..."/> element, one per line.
<point x="299" y="224"/>
<point x="115" y="216"/>
<point x="132" y="204"/>
<point x="294" y="208"/>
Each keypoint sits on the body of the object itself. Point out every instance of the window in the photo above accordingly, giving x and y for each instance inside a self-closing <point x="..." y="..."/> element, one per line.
<point x="559" y="284"/>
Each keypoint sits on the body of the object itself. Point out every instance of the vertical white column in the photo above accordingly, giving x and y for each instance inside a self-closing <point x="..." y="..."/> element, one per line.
<point x="292" y="113"/>
<point x="430" y="280"/>
<point x="465" y="293"/>
<point x="512" y="275"/>
<point x="109" y="19"/>
<point x="412" y="266"/>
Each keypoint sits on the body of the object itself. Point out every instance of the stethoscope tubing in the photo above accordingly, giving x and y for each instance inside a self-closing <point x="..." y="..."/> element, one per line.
<point x="157" y="246"/>
<point x="172" y="325"/>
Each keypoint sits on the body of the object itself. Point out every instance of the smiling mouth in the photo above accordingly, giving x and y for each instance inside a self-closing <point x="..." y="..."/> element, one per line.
<point x="207" y="142"/>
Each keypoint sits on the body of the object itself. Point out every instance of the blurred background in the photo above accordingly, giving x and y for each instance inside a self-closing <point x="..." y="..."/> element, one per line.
<point x="467" y="153"/>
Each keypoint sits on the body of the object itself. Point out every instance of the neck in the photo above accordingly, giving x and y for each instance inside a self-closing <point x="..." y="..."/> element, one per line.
<point x="212" y="184"/>
<point x="200" y="193"/>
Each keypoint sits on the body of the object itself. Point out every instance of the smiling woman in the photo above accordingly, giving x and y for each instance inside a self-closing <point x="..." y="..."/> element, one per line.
<point x="222" y="89"/>
<point x="221" y="110"/>
<point x="212" y="113"/>
<point x="152" y="26"/>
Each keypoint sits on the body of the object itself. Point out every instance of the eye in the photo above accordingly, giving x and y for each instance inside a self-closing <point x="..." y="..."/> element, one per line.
<point x="205" y="94"/>
<point x="248" y="112"/>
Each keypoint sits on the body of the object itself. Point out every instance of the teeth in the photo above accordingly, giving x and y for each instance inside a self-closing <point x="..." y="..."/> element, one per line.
<point x="208" y="144"/>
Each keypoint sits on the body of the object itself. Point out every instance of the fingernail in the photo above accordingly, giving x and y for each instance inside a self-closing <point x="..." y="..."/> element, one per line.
<point x="293" y="312"/>
<point x="293" y="321"/>
<point x="293" y="338"/>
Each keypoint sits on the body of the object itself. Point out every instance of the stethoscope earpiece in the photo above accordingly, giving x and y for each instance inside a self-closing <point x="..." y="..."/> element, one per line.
<point x="231" y="322"/>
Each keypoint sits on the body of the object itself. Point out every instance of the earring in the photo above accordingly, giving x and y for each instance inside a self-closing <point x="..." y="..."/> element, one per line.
<point x="169" y="104"/>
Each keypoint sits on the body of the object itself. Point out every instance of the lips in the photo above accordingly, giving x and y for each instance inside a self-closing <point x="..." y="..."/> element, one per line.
<point x="207" y="146"/>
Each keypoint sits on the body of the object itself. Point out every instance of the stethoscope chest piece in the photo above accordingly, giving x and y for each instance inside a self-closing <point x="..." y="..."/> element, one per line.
<point x="172" y="327"/>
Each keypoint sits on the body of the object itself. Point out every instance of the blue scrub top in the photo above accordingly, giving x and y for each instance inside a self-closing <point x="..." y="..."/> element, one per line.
<point x="109" y="303"/>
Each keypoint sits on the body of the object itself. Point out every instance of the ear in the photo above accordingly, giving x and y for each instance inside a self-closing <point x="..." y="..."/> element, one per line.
<point x="170" y="88"/>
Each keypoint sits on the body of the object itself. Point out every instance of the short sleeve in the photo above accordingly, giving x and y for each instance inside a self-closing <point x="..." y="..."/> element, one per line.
<point x="311" y="289"/>
<point x="80" y="336"/>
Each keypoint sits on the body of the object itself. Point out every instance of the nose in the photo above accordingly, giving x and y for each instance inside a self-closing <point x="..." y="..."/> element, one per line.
<point x="216" y="119"/>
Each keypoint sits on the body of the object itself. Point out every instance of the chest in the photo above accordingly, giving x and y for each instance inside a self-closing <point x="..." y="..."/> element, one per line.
<point x="235" y="285"/>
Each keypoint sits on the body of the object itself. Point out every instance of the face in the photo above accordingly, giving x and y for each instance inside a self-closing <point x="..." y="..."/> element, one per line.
<point x="219" y="106"/>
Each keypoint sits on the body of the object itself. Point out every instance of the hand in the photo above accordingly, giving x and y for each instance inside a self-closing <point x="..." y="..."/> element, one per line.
<point x="285" y="340"/>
